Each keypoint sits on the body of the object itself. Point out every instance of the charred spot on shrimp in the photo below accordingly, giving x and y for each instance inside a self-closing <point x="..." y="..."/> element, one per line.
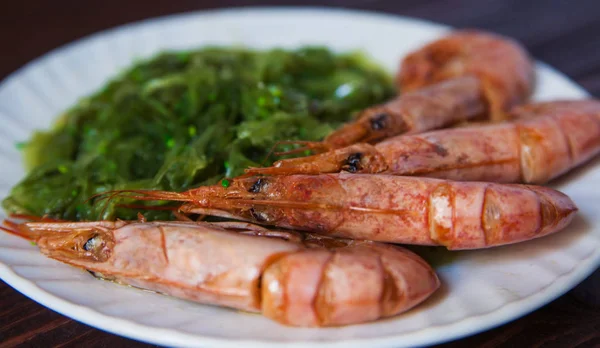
<point x="379" y="121"/>
<point x="353" y="163"/>
<point x="257" y="186"/>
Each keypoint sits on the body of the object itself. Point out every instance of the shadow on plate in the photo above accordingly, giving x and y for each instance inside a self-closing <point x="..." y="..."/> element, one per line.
<point x="437" y="297"/>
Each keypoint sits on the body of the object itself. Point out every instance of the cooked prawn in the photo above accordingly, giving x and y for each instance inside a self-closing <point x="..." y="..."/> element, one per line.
<point x="295" y="279"/>
<point x="385" y="208"/>
<point x="546" y="140"/>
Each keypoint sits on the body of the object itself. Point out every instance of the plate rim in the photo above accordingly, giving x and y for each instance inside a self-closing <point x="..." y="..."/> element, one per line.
<point x="159" y="335"/>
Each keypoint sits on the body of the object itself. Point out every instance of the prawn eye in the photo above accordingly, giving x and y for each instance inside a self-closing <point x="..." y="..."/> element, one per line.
<point x="257" y="186"/>
<point x="379" y="121"/>
<point x="92" y="243"/>
<point x="352" y="164"/>
<point x="98" y="247"/>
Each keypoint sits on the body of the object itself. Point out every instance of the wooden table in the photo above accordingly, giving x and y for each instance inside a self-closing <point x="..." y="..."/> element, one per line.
<point x="564" y="34"/>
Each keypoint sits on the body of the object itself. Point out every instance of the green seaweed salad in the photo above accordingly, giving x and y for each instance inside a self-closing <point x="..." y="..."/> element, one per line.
<point x="184" y="119"/>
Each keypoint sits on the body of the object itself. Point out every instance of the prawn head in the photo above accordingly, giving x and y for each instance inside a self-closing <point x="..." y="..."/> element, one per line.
<point x="359" y="158"/>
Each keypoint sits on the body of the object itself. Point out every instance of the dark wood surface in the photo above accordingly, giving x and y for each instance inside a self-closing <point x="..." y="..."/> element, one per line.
<point x="563" y="33"/>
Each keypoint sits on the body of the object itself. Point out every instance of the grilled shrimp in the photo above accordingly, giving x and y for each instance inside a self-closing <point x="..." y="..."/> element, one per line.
<point x="295" y="279"/>
<point x="385" y="208"/>
<point x="502" y="65"/>
<point x="546" y="140"/>
<point x="463" y="76"/>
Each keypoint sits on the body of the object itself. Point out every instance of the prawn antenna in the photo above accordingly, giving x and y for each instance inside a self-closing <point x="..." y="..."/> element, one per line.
<point x="251" y="171"/>
<point x="271" y="151"/>
<point x="140" y="195"/>
<point x="313" y="146"/>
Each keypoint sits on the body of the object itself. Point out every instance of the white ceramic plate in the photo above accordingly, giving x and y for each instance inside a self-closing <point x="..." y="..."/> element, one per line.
<point x="481" y="289"/>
